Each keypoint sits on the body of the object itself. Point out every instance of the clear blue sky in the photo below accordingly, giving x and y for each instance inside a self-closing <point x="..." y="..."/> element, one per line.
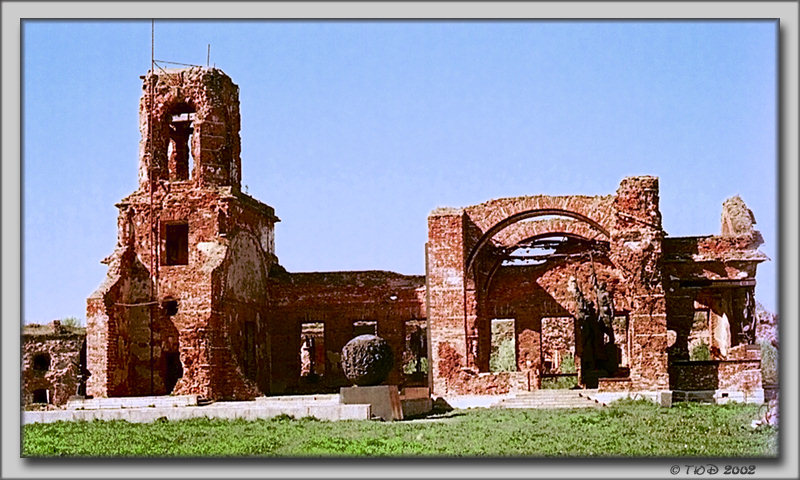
<point x="355" y="131"/>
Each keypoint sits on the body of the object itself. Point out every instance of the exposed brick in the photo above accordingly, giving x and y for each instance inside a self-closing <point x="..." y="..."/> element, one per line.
<point x="195" y="301"/>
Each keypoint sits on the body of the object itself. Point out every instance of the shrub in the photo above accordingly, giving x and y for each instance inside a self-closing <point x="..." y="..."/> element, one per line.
<point x="410" y="367"/>
<point x="559" y="383"/>
<point x="568" y="364"/>
<point x="503" y="357"/>
<point x="72" y="322"/>
<point x="700" y="352"/>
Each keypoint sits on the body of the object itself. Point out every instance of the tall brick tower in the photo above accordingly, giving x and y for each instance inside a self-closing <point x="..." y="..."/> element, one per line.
<point x="183" y="307"/>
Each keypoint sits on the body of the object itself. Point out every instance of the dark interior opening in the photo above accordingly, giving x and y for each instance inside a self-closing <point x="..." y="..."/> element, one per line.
<point x="170" y="307"/>
<point x="177" y="248"/>
<point x="174" y="370"/>
<point x="41" y="396"/>
<point x="41" y="362"/>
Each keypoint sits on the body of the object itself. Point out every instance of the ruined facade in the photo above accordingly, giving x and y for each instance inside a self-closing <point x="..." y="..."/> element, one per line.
<point x="53" y="364"/>
<point x="515" y="258"/>
<point x="195" y="300"/>
<point x="182" y="308"/>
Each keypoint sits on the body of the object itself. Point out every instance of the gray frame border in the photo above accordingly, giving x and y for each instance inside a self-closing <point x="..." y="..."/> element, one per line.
<point x="13" y="12"/>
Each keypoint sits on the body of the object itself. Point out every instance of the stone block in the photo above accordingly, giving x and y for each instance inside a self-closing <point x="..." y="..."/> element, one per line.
<point x="665" y="398"/>
<point x="416" y="406"/>
<point x="384" y="400"/>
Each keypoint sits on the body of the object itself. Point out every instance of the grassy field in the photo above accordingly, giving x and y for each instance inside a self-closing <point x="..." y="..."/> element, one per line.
<point x="625" y="428"/>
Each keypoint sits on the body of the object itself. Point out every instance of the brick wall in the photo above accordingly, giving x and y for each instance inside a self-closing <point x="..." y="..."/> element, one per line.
<point x="51" y="360"/>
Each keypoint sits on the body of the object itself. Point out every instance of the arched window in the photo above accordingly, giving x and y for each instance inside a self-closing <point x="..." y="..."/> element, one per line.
<point x="181" y="126"/>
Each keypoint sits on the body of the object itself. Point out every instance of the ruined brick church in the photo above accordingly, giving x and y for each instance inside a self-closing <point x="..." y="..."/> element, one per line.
<point x="196" y="302"/>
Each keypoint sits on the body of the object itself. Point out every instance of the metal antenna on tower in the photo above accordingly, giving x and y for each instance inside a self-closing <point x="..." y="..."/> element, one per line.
<point x="208" y="55"/>
<point x="153" y="220"/>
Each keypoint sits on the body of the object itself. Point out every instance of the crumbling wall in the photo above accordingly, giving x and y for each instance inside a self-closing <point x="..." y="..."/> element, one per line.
<point x="118" y="329"/>
<point x="337" y="300"/>
<point x="186" y="323"/>
<point x="636" y="250"/>
<point x="242" y="364"/>
<point x="715" y="276"/>
<point x="58" y="368"/>
<point x="216" y="145"/>
<point x="461" y="250"/>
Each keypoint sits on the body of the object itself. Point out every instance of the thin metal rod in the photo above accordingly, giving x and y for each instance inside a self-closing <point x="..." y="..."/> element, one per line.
<point x="153" y="220"/>
<point x="142" y="304"/>
<point x="208" y="55"/>
<point x="178" y="63"/>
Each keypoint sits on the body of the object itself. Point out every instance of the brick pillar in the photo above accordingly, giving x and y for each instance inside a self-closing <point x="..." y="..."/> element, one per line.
<point x="636" y="249"/>
<point x="445" y="290"/>
<point x="97" y="346"/>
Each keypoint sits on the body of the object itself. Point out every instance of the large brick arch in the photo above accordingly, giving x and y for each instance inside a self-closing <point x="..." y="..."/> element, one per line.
<point x="486" y="238"/>
<point x="599" y="209"/>
<point x="524" y="230"/>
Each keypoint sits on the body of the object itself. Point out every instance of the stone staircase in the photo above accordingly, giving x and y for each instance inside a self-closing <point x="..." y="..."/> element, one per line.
<point x="551" y="399"/>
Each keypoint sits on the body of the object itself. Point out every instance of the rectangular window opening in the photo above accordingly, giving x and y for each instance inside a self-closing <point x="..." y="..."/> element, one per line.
<point x="415" y="355"/>
<point x="312" y="349"/>
<point x="177" y="244"/>
<point x="503" y="355"/>
<point x="180" y="155"/>
<point x="41" y="395"/>
<point x="621" y="333"/>
<point x="558" y="345"/>
<point x="699" y="341"/>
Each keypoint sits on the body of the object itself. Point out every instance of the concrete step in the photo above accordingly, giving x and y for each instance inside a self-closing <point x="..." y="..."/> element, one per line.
<point x="162" y="401"/>
<point x="225" y="410"/>
<point x="300" y="399"/>
<point x="550" y="399"/>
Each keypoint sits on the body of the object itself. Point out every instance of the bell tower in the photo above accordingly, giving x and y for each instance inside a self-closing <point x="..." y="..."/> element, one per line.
<point x="189" y="122"/>
<point x="183" y="308"/>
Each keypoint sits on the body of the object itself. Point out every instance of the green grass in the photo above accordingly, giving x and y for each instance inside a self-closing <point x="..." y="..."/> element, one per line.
<point x="559" y="383"/>
<point x="629" y="428"/>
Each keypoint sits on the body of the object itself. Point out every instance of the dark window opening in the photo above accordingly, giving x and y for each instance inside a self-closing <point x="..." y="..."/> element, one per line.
<point x="170" y="307"/>
<point x="41" y="396"/>
<point x="180" y="155"/>
<point x="41" y="362"/>
<point x="177" y="244"/>
<point x="312" y="349"/>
